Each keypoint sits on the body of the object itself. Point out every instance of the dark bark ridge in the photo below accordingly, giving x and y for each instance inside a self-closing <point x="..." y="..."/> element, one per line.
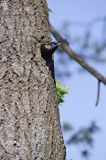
<point x="29" y="118"/>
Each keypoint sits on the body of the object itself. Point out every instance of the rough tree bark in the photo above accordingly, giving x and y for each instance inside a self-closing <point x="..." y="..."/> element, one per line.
<point x="29" y="118"/>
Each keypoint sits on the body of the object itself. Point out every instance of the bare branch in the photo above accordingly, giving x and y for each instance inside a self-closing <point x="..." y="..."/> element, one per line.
<point x="98" y="93"/>
<point x="76" y="57"/>
<point x="89" y="23"/>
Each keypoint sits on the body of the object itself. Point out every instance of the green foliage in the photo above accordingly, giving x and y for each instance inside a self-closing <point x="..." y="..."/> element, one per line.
<point x="84" y="135"/>
<point x="83" y="138"/>
<point x="61" y="90"/>
<point x="50" y="10"/>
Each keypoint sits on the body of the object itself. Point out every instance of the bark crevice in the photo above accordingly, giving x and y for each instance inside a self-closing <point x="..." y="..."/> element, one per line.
<point x="29" y="118"/>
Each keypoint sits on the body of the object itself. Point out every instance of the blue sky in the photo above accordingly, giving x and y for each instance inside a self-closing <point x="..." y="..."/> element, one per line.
<point x="79" y="106"/>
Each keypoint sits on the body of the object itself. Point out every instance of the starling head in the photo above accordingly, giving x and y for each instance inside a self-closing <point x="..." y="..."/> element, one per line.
<point x="48" y="49"/>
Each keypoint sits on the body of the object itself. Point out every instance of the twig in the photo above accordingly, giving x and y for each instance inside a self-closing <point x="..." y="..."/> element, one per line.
<point x="76" y="57"/>
<point x="98" y="93"/>
<point x="89" y="23"/>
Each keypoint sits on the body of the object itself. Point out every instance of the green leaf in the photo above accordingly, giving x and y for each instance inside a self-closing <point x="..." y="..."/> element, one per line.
<point x="61" y="90"/>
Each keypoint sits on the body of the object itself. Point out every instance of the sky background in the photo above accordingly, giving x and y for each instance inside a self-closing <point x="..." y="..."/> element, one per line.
<point x="79" y="106"/>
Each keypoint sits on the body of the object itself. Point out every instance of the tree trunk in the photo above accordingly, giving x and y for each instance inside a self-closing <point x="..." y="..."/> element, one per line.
<point x="29" y="118"/>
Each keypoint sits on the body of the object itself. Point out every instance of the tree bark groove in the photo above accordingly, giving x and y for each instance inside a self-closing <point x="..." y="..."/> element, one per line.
<point x="29" y="117"/>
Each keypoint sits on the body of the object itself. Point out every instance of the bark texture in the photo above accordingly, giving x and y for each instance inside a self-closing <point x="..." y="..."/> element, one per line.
<point x="29" y="118"/>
